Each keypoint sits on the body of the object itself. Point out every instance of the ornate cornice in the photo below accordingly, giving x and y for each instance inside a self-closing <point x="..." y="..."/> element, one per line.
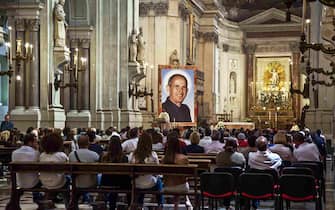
<point x="33" y="24"/>
<point x="160" y="8"/>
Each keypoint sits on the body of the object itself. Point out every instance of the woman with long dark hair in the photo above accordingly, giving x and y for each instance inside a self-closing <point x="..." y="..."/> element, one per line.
<point x="144" y="154"/>
<point x="114" y="154"/>
<point x="173" y="156"/>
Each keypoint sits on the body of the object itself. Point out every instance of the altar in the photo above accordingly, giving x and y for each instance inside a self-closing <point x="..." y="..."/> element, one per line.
<point x="238" y="125"/>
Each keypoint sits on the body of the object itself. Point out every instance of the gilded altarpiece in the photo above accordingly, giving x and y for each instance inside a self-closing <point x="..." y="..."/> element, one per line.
<point x="270" y="92"/>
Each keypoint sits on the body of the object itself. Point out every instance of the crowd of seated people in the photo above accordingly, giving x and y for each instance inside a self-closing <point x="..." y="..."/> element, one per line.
<point x="259" y="149"/>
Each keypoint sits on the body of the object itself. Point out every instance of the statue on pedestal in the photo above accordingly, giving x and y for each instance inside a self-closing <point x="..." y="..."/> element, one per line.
<point x="174" y="58"/>
<point x="59" y="24"/>
<point x="133" y="46"/>
<point x="140" y="47"/>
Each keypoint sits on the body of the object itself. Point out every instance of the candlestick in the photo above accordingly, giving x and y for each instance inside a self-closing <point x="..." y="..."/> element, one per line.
<point x="152" y="77"/>
<point x="304" y="8"/>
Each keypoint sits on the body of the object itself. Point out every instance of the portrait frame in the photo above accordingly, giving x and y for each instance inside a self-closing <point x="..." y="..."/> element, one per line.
<point x="273" y="75"/>
<point x="189" y="72"/>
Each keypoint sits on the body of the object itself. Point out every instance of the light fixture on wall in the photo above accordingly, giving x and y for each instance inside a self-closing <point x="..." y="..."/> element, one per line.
<point x="134" y="89"/>
<point x="78" y="65"/>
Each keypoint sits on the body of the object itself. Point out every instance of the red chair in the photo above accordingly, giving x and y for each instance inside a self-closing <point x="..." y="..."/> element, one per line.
<point x="299" y="188"/>
<point x="216" y="186"/>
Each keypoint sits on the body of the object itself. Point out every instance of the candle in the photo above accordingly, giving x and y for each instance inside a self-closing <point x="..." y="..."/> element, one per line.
<point x="76" y="57"/>
<point x="10" y="42"/>
<point x="304" y="8"/>
<point x="8" y="52"/>
<point x="18" y="47"/>
<point x="31" y="49"/>
<point x="26" y="48"/>
<point x="146" y="75"/>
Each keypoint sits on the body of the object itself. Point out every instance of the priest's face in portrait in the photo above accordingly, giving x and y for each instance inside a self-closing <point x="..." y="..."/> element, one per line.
<point x="177" y="86"/>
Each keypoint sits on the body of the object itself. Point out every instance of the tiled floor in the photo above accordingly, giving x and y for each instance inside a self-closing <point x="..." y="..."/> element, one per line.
<point x="26" y="200"/>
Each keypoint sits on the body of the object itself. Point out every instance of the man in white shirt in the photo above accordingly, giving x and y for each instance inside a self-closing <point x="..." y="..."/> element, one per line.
<point x="264" y="158"/>
<point x="84" y="155"/>
<point x="304" y="151"/>
<point x="130" y="145"/>
<point x="28" y="152"/>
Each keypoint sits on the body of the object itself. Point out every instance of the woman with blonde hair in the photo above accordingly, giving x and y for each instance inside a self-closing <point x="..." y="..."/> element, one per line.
<point x="144" y="155"/>
<point x="281" y="146"/>
<point x="194" y="146"/>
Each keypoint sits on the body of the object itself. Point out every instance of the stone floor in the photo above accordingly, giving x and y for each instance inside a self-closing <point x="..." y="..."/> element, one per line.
<point x="26" y="200"/>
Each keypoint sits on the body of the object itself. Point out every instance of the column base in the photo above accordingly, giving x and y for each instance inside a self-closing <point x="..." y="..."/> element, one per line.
<point x="80" y="119"/>
<point x="147" y="119"/>
<point x="24" y="118"/>
<point x="131" y="118"/>
<point x="56" y="118"/>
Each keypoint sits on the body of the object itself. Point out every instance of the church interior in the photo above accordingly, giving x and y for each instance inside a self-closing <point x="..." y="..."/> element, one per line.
<point x="249" y="63"/>
<point x="266" y="64"/>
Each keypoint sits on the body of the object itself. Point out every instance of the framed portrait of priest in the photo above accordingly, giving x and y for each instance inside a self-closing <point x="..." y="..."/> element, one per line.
<point x="177" y="88"/>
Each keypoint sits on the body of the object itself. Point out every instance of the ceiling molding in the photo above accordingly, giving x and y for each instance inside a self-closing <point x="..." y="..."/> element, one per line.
<point x="268" y="15"/>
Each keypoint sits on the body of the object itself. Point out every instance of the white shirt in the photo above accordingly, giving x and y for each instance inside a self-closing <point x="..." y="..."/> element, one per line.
<point x="264" y="160"/>
<point x="26" y="153"/>
<point x="130" y="145"/>
<point x="85" y="156"/>
<point x="53" y="180"/>
<point x="306" y="152"/>
<point x="205" y="141"/>
<point x="214" y="147"/>
<point x="145" y="181"/>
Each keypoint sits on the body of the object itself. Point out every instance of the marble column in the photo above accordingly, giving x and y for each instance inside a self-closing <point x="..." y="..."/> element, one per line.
<point x="19" y="65"/>
<point x="84" y="77"/>
<point x="296" y="102"/>
<point x="73" y="77"/>
<point x="250" y="53"/>
<point x="33" y="90"/>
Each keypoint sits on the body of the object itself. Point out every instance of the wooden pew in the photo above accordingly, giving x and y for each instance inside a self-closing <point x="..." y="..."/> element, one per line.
<point x="75" y="169"/>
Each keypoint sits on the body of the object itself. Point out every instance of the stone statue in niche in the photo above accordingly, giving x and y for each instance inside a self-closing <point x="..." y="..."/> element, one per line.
<point x="140" y="47"/>
<point x="133" y="46"/>
<point x="59" y="24"/>
<point x="232" y="83"/>
<point x="174" y="60"/>
<point x="274" y="80"/>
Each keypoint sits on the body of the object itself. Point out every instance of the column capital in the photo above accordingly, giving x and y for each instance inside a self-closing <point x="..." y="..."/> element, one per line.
<point x="33" y="24"/>
<point x="19" y="24"/>
<point x="85" y="43"/>
<point x="183" y="11"/>
<point x="74" y="43"/>
<point x="250" y="48"/>
<point x="160" y="8"/>
<point x="295" y="47"/>
<point x="209" y="36"/>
